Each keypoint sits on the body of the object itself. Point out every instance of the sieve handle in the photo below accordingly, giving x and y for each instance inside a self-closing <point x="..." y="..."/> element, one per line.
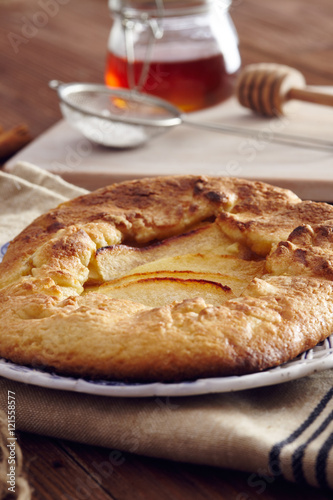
<point x="263" y="136"/>
<point x="55" y="84"/>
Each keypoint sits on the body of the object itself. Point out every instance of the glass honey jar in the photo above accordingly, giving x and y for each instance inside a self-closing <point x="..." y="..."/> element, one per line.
<point x="184" y="51"/>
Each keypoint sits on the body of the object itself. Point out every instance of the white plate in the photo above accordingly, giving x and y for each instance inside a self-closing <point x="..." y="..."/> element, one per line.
<point x="317" y="359"/>
<point x="320" y="358"/>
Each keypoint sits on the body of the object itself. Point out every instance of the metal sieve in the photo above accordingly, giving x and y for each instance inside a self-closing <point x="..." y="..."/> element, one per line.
<point x="122" y="118"/>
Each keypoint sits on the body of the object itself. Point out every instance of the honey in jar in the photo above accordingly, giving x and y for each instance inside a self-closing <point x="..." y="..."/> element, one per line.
<point x="183" y="51"/>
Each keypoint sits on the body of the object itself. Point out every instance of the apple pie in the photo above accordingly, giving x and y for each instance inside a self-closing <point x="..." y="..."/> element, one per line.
<point x="168" y="279"/>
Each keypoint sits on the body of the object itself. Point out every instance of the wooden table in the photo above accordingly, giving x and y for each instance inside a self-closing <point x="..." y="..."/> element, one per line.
<point x="69" y="43"/>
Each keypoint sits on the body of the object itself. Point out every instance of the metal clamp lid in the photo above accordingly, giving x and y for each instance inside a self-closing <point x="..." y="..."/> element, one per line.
<point x="167" y="8"/>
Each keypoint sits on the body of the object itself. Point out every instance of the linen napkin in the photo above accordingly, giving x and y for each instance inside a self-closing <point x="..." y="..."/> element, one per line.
<point x="284" y="430"/>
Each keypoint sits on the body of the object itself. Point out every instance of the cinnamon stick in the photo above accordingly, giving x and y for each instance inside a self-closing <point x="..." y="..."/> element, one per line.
<point x="13" y="140"/>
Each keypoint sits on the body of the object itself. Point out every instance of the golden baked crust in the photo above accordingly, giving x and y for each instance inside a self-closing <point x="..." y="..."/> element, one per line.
<point x="87" y="289"/>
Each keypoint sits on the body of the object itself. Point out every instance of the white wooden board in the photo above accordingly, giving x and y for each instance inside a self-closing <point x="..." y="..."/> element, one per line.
<point x="187" y="150"/>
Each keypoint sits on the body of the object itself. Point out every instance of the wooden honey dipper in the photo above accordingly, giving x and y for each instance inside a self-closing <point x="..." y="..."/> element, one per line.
<point x="265" y="87"/>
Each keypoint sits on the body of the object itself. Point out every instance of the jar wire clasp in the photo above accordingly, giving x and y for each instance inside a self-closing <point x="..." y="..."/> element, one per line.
<point x="155" y="33"/>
